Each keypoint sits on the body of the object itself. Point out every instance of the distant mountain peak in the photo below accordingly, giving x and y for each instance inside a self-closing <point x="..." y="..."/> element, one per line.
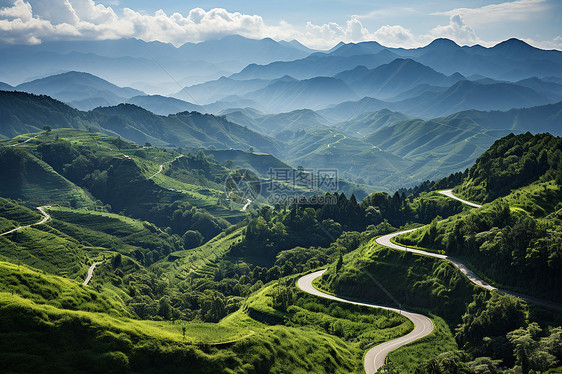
<point x="336" y="47"/>
<point x="443" y="43"/>
<point x="514" y="43"/>
<point x="285" y="78"/>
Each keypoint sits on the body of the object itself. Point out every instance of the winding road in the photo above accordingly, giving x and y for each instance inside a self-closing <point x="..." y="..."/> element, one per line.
<point x="248" y="202"/>
<point x="375" y="357"/>
<point x="449" y="193"/>
<point x="162" y="167"/>
<point x="91" y="272"/>
<point x="45" y="218"/>
<point x="385" y="241"/>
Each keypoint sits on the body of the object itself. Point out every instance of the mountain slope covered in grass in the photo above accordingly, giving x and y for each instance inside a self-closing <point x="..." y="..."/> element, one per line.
<point x="23" y="113"/>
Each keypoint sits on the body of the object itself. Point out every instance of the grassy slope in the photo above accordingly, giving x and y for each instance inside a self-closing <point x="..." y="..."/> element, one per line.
<point x="13" y="215"/>
<point x="539" y="201"/>
<point x="199" y="261"/>
<point x="30" y="179"/>
<point x="421" y="283"/>
<point x="39" y="187"/>
<point x="54" y="324"/>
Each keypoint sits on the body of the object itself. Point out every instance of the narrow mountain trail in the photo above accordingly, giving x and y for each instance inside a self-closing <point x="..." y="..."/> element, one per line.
<point x="162" y="167"/>
<point x="248" y="202"/>
<point x="375" y="357"/>
<point x="25" y="141"/>
<point x="91" y="272"/>
<point x="385" y="241"/>
<point x="45" y="218"/>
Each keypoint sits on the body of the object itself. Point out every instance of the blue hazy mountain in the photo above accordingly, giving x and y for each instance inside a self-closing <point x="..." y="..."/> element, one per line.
<point x="163" y="105"/>
<point x="219" y="89"/>
<point x="431" y="103"/>
<point x="80" y="90"/>
<point x="512" y="60"/>
<point x="393" y="78"/>
<point x="5" y="86"/>
<point x="317" y="64"/>
<point x="288" y="94"/>
<point x="153" y="66"/>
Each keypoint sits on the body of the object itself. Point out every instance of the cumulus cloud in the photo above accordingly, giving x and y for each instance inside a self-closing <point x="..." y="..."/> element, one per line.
<point x="555" y="43"/>
<point x="31" y="21"/>
<point x="34" y="21"/>
<point x="397" y="36"/>
<point x="457" y="31"/>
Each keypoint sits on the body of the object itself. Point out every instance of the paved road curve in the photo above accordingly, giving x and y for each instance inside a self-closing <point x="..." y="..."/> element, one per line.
<point x="45" y="218"/>
<point x="374" y="358"/>
<point x="162" y="167"/>
<point x="449" y="193"/>
<point x="385" y="241"/>
<point x="248" y="202"/>
<point x="91" y="272"/>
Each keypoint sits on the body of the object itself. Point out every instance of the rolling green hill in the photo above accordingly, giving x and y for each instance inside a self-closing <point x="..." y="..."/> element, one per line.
<point x="367" y="123"/>
<point x="59" y="167"/>
<point x="279" y="125"/>
<point x="24" y="113"/>
<point x="513" y="240"/>
<point x="26" y="177"/>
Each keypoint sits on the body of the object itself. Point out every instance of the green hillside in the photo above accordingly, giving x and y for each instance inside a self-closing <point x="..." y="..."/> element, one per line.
<point x="85" y="329"/>
<point x="367" y="123"/>
<point x="23" y="113"/>
<point x="120" y="176"/>
<point x="514" y="240"/>
<point x="513" y="162"/>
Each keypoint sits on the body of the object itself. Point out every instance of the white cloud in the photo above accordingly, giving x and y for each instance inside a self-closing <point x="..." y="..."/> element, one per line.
<point x="555" y="43"/>
<point x="397" y="36"/>
<point x="20" y="10"/>
<point x="457" y="31"/>
<point x="34" y="21"/>
<point x="519" y="10"/>
<point x="31" y="21"/>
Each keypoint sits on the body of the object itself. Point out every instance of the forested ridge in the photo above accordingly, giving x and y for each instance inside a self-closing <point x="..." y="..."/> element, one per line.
<point x="220" y="284"/>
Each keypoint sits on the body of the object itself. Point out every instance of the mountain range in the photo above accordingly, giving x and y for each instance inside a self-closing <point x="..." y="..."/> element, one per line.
<point x="387" y="117"/>
<point x="384" y="149"/>
<point x="153" y="67"/>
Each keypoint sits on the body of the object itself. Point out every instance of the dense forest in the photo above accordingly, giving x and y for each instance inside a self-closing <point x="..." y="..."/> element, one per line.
<point x="179" y="257"/>
<point x="516" y="239"/>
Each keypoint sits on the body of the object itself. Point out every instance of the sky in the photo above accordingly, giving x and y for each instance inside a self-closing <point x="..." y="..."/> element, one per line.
<point x="318" y="24"/>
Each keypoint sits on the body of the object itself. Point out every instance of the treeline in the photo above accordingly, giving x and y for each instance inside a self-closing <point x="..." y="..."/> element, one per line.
<point x="448" y="182"/>
<point x="400" y="210"/>
<point x="512" y="162"/>
<point x="510" y="247"/>
<point x="496" y="337"/>
<point x="271" y="231"/>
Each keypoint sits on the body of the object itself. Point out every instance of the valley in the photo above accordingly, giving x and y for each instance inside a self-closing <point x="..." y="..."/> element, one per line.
<point x="236" y="204"/>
